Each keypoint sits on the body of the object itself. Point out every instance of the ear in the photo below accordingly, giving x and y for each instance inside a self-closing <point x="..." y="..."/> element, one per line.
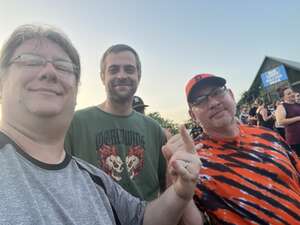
<point x="102" y="77"/>
<point x="231" y="94"/>
<point x="192" y="115"/>
<point x="2" y="80"/>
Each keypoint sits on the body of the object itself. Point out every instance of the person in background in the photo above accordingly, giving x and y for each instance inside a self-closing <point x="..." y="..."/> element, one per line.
<point x="279" y="128"/>
<point x="252" y="114"/>
<point x="288" y="115"/>
<point x="244" y="116"/>
<point x="138" y="104"/>
<point x="249" y="174"/>
<point x="114" y="137"/>
<point x="297" y="97"/>
<point x="40" y="182"/>
<point x="264" y="116"/>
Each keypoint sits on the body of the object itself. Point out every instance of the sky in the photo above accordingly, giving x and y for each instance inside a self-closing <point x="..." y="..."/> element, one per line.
<point x="174" y="39"/>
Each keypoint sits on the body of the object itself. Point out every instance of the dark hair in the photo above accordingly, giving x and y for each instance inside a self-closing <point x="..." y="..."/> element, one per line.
<point x="259" y="101"/>
<point x="281" y="91"/>
<point x="30" y="31"/>
<point x="120" y="48"/>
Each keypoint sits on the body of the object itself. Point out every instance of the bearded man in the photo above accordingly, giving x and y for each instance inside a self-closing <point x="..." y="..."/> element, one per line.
<point x="114" y="131"/>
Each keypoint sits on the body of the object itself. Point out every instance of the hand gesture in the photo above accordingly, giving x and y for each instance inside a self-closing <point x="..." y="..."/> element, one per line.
<point x="183" y="163"/>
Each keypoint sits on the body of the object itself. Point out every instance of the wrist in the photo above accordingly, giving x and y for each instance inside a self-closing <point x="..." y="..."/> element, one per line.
<point x="183" y="195"/>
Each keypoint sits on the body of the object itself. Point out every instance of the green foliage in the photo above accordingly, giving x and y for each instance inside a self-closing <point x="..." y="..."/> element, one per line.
<point x="165" y="123"/>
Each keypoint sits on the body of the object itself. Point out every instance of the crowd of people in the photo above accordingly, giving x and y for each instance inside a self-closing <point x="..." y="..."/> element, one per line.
<point x="110" y="164"/>
<point x="283" y="116"/>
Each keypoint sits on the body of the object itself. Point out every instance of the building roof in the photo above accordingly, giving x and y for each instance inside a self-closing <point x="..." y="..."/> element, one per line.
<point x="293" y="64"/>
<point x="288" y="63"/>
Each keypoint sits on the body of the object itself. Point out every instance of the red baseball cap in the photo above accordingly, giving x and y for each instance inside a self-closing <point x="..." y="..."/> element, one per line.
<point x="199" y="81"/>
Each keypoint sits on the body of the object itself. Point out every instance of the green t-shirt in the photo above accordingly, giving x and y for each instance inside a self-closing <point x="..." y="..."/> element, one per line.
<point x="128" y="148"/>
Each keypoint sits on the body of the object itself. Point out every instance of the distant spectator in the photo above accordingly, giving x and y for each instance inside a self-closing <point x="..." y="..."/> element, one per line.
<point x="297" y="97"/>
<point x="288" y="115"/>
<point x="252" y="114"/>
<point x="264" y="116"/>
<point x="244" y="116"/>
<point x="279" y="128"/>
<point x="138" y="104"/>
<point x="196" y="131"/>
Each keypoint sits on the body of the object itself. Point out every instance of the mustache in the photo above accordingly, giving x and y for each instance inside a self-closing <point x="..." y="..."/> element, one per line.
<point x="122" y="82"/>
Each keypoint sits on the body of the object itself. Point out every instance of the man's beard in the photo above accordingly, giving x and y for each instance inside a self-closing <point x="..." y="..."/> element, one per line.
<point x="118" y="97"/>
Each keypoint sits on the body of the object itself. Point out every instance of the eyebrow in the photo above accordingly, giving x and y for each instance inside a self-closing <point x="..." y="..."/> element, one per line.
<point x="53" y="58"/>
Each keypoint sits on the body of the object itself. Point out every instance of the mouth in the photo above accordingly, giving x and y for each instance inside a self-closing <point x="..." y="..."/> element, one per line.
<point x="216" y="114"/>
<point x="122" y="83"/>
<point x="47" y="91"/>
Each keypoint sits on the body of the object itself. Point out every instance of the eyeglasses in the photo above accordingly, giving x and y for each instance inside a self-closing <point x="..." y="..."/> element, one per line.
<point x="215" y="93"/>
<point x="33" y="61"/>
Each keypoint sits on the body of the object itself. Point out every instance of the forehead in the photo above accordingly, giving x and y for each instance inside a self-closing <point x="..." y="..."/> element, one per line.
<point x="205" y="90"/>
<point x="288" y="91"/>
<point x="120" y="58"/>
<point x="41" y="46"/>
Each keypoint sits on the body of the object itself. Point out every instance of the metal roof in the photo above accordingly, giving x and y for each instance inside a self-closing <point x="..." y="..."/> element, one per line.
<point x="293" y="64"/>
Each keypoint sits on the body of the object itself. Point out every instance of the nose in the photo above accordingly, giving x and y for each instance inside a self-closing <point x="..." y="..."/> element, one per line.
<point x="212" y="102"/>
<point x="122" y="73"/>
<point x="49" y="72"/>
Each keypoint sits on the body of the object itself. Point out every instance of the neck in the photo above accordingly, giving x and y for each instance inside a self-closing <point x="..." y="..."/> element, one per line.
<point x="119" y="109"/>
<point x="39" y="141"/>
<point x="289" y="102"/>
<point x="226" y="132"/>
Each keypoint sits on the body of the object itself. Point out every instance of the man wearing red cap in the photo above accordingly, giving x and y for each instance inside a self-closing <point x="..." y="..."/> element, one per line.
<point x="249" y="174"/>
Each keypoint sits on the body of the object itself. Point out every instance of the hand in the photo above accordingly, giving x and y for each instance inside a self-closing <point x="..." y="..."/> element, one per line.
<point x="176" y="143"/>
<point x="183" y="163"/>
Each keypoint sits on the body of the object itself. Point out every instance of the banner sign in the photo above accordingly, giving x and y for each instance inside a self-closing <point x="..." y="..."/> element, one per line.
<point x="274" y="76"/>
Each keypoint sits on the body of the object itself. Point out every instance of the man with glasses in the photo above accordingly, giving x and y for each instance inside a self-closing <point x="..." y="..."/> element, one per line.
<point x="40" y="183"/>
<point x="249" y="174"/>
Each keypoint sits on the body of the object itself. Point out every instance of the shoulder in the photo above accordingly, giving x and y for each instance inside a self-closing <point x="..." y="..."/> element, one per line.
<point x="281" y="108"/>
<point x="260" y="132"/>
<point x="89" y="167"/>
<point x="146" y="120"/>
<point x="86" y="112"/>
<point x="5" y="141"/>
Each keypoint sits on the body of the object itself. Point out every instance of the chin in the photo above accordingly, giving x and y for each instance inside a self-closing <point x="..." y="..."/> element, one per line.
<point x="45" y="110"/>
<point x="46" y="113"/>
<point x="223" y="122"/>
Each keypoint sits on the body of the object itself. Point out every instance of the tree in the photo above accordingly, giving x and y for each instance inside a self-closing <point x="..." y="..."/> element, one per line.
<point x="165" y="123"/>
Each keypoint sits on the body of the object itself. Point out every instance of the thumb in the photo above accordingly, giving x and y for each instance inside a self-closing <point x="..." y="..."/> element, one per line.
<point x="187" y="139"/>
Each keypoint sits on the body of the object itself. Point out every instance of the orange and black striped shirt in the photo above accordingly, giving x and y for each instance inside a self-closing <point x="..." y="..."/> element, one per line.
<point x="251" y="179"/>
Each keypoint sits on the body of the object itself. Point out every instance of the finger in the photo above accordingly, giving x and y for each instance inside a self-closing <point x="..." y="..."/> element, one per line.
<point x="174" y="138"/>
<point x="183" y="172"/>
<point x="179" y="170"/>
<point x="187" y="139"/>
<point x="198" y="146"/>
<point x="168" y="134"/>
<point x="167" y="153"/>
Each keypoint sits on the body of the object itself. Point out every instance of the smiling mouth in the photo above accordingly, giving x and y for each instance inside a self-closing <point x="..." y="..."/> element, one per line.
<point x="46" y="91"/>
<point x="122" y="85"/>
<point x="216" y="114"/>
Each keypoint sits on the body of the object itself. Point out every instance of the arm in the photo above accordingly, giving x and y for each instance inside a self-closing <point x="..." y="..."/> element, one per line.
<point x="192" y="215"/>
<point x="281" y="117"/>
<point x="183" y="166"/>
<point x="169" y="208"/>
<point x="264" y="113"/>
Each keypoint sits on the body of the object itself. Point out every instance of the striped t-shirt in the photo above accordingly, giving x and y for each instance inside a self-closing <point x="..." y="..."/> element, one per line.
<point x="250" y="179"/>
